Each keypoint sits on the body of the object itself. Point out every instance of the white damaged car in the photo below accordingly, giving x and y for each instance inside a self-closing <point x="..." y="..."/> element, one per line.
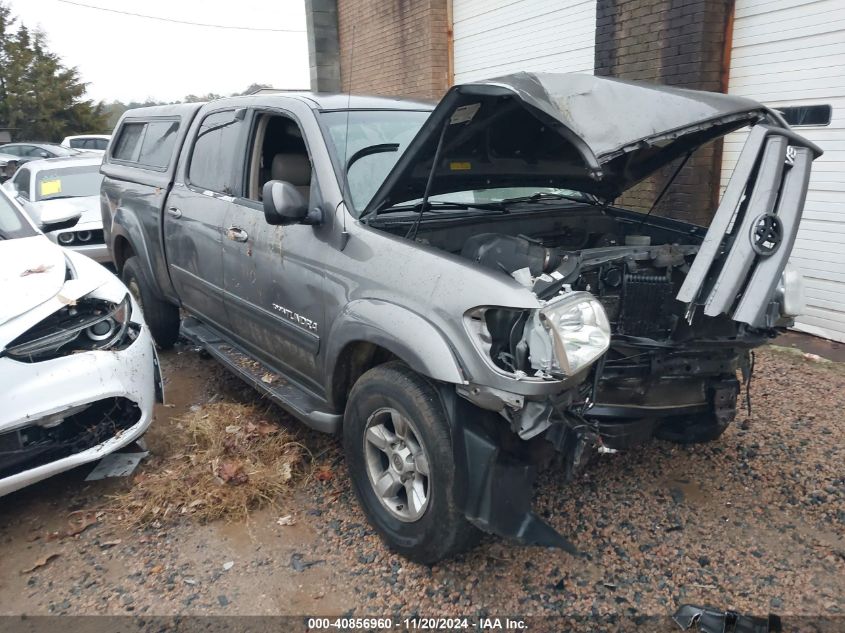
<point x="78" y="370"/>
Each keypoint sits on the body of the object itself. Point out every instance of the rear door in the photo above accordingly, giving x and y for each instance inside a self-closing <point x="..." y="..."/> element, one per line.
<point x="197" y="208"/>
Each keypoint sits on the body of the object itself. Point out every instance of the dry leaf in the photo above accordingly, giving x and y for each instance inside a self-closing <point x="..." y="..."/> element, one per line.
<point x="268" y="378"/>
<point x="105" y="544"/>
<point x="80" y="521"/>
<point x="41" y="268"/>
<point x="286" y="520"/>
<point x="232" y="473"/>
<point x="324" y="474"/>
<point x="41" y="562"/>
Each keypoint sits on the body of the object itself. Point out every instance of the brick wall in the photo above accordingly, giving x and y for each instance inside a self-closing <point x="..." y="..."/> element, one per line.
<point x="679" y="43"/>
<point x="400" y="47"/>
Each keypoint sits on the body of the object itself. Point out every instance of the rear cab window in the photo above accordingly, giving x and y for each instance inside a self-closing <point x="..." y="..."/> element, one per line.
<point x="147" y="144"/>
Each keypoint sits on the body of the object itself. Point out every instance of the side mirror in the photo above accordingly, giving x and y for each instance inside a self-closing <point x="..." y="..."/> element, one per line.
<point x="43" y="154"/>
<point x="10" y="187"/>
<point x="57" y="220"/>
<point x="283" y="204"/>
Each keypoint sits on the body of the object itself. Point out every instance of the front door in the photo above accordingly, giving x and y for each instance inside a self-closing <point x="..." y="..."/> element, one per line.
<point x="272" y="277"/>
<point x="195" y="214"/>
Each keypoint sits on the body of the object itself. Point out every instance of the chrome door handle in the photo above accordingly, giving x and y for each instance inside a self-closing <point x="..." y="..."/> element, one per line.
<point x="174" y="212"/>
<point x="237" y="234"/>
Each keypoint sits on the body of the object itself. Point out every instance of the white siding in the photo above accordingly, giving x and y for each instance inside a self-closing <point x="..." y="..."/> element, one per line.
<point x="495" y="37"/>
<point x="792" y="52"/>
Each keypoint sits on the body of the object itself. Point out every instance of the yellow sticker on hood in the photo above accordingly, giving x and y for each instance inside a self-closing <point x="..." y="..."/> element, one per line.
<point x="455" y="166"/>
<point x="51" y="187"/>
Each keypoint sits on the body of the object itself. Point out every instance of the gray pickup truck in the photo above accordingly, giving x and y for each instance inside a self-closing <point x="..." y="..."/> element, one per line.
<point x="452" y="288"/>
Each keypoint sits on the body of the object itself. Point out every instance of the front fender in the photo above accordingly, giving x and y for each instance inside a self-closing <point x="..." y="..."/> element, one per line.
<point x="409" y="336"/>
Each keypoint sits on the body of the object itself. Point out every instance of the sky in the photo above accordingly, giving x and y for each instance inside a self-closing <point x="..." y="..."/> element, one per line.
<point x="129" y="58"/>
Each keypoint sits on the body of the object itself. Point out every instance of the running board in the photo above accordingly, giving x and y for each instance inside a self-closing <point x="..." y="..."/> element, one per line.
<point x="292" y="398"/>
<point x="742" y="257"/>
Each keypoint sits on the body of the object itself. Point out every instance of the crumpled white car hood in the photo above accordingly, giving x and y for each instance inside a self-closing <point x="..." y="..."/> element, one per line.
<point x="33" y="285"/>
<point x="32" y="270"/>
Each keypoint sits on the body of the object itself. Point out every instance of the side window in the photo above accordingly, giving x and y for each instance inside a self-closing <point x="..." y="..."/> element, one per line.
<point x="31" y="150"/>
<point x="128" y="144"/>
<point x="218" y="142"/>
<point x="21" y="182"/>
<point x="100" y="143"/>
<point x="13" y="150"/>
<point x="158" y="143"/>
<point x="278" y="153"/>
<point x="77" y="143"/>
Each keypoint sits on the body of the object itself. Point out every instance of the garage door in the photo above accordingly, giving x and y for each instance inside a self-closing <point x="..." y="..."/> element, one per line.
<point x="494" y="37"/>
<point x="790" y="54"/>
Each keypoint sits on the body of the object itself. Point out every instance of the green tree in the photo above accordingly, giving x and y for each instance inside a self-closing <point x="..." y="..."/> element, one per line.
<point x="39" y="96"/>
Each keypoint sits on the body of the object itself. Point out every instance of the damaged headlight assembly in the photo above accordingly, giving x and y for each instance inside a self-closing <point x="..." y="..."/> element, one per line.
<point x="562" y="338"/>
<point x="88" y="324"/>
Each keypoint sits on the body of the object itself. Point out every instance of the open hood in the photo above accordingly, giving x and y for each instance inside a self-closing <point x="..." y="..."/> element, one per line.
<point x="592" y="134"/>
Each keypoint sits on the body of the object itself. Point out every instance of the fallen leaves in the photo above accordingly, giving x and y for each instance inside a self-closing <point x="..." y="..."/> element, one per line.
<point x="221" y="460"/>
<point x="232" y="473"/>
<point x="41" y="562"/>
<point x="324" y="473"/>
<point x="268" y="378"/>
<point x="81" y="520"/>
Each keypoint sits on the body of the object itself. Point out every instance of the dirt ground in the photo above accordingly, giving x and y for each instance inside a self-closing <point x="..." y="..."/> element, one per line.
<point x="752" y="522"/>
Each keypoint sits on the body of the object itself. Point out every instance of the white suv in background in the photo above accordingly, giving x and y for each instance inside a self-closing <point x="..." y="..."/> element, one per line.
<point x="88" y="142"/>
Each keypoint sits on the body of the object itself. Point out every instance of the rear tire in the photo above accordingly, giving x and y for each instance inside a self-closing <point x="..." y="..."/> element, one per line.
<point x="162" y="317"/>
<point x="698" y="428"/>
<point x="398" y="449"/>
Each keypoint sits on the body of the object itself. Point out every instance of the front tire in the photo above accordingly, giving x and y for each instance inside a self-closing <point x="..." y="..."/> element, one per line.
<point x="399" y="454"/>
<point x="161" y="317"/>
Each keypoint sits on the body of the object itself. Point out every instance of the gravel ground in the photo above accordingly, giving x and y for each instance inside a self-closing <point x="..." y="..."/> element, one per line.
<point x="752" y="522"/>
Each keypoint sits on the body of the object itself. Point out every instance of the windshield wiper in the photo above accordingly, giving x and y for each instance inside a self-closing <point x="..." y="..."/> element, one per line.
<point x="546" y="195"/>
<point x="446" y="205"/>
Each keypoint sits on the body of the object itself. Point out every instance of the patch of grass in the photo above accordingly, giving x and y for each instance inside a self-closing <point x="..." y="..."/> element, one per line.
<point x="221" y="461"/>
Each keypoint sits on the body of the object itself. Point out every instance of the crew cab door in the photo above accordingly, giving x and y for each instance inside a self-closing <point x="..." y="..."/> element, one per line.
<point x="272" y="276"/>
<point x="196" y="210"/>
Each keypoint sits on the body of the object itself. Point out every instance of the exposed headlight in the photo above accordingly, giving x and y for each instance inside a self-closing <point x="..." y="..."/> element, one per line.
<point x="790" y="292"/>
<point x="90" y="324"/>
<point x="560" y="339"/>
<point x="568" y="335"/>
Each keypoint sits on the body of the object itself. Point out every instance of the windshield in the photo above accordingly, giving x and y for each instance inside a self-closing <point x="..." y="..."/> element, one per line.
<point x="368" y="128"/>
<point x="68" y="182"/>
<point x="12" y="223"/>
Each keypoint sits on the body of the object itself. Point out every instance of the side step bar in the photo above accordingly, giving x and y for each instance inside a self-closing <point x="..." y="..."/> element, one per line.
<point x="292" y="398"/>
<point x="740" y="262"/>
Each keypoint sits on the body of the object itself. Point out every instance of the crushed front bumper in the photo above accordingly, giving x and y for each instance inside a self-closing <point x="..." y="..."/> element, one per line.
<point x="107" y="397"/>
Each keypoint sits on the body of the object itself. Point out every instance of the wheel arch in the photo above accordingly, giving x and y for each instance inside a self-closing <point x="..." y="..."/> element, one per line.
<point x="369" y="333"/>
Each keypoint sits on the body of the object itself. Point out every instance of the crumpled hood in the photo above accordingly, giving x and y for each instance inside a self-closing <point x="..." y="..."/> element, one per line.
<point x="87" y="206"/>
<point x="593" y="134"/>
<point x="32" y="270"/>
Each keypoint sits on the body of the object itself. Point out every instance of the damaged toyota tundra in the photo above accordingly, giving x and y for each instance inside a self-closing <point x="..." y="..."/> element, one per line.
<point x="454" y="290"/>
<point x="77" y="364"/>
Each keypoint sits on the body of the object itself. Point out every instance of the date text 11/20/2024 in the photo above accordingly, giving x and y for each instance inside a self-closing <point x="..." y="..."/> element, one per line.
<point x="417" y="624"/>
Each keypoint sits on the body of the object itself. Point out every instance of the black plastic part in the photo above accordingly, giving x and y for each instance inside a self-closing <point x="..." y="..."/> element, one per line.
<point x="711" y="620"/>
<point x="497" y="493"/>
